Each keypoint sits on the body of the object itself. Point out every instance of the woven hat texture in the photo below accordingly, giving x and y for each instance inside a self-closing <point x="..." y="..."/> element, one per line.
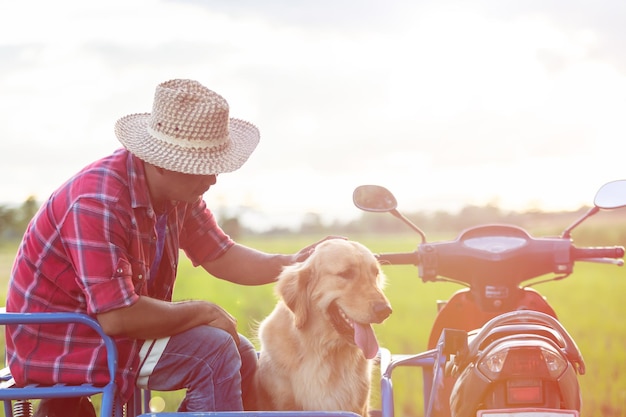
<point x="188" y="131"/>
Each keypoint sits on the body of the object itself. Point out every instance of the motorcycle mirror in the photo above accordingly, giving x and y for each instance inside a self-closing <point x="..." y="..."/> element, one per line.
<point x="374" y="198"/>
<point x="611" y="195"/>
<point x="378" y="199"/>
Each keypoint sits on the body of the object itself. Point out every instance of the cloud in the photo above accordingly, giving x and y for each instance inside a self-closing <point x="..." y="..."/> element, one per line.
<point x="443" y="101"/>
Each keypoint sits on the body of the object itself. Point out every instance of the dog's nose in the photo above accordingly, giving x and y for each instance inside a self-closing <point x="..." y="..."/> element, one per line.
<point x="382" y="311"/>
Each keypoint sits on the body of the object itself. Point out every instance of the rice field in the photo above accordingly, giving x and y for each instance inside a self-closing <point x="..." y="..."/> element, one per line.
<point x="590" y="304"/>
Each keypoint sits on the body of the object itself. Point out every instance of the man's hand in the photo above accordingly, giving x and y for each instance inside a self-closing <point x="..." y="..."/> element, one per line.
<point x="304" y="253"/>
<point x="222" y="319"/>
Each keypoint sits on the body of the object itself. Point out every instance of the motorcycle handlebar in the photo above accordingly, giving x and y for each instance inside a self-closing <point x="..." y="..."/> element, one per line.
<point x="614" y="252"/>
<point x="403" y="258"/>
<point x="577" y="254"/>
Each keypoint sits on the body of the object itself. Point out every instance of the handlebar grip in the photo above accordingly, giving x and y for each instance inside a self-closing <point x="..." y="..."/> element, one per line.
<point x="403" y="258"/>
<point x="614" y="252"/>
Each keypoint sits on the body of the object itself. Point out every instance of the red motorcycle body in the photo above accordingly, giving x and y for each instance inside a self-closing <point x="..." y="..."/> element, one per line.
<point x="463" y="313"/>
<point x="532" y="388"/>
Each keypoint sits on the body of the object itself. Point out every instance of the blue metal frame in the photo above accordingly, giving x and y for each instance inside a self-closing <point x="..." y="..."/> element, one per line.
<point x="389" y="362"/>
<point x="432" y="362"/>
<point x="9" y="392"/>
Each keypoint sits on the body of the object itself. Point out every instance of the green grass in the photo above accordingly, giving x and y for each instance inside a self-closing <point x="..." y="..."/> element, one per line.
<point x="590" y="304"/>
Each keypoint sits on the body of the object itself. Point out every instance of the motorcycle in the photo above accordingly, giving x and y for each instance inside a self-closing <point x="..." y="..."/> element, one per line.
<point x="496" y="348"/>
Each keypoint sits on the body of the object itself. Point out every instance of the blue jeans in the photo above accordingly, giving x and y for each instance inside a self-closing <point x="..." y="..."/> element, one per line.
<point x="205" y="361"/>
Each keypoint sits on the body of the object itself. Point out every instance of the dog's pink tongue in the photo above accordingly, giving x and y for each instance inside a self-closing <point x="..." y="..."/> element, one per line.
<point x="365" y="339"/>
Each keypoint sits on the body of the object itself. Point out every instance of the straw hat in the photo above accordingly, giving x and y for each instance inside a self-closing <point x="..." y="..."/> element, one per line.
<point x="188" y="131"/>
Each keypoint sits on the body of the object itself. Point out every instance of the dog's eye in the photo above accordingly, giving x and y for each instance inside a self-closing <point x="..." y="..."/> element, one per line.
<point x="347" y="273"/>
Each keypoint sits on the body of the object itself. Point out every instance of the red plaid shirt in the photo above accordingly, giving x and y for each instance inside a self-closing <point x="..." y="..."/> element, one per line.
<point x="89" y="250"/>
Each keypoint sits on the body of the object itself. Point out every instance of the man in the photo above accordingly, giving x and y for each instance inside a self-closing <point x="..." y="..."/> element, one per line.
<point x="106" y="243"/>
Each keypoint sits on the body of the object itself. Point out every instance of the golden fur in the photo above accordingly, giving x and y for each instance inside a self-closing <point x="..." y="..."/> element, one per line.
<point x="309" y="359"/>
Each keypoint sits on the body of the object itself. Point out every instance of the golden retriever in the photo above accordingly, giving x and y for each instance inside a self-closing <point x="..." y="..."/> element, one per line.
<point x="318" y="342"/>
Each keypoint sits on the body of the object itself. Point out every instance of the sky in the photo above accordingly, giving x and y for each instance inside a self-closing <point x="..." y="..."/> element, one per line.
<point x="446" y="103"/>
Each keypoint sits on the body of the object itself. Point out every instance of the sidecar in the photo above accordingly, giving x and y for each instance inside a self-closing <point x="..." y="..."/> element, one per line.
<point x="16" y="400"/>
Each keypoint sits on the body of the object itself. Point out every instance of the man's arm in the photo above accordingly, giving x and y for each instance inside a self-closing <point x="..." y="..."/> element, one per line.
<point x="246" y="266"/>
<point x="149" y="318"/>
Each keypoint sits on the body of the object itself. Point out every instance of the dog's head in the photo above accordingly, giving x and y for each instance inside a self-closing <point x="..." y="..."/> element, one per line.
<point x="340" y="283"/>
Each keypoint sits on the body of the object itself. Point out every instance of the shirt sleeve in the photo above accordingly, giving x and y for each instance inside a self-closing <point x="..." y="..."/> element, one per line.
<point x="202" y="239"/>
<point x="95" y="239"/>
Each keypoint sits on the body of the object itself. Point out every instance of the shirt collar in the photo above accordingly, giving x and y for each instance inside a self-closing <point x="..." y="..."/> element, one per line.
<point x="137" y="183"/>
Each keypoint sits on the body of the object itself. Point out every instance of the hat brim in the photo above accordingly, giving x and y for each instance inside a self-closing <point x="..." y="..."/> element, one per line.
<point x="132" y="132"/>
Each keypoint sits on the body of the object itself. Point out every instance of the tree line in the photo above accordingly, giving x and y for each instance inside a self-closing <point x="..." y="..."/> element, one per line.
<point x="14" y="220"/>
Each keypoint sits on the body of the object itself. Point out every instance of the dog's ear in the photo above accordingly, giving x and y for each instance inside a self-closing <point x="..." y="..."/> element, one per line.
<point x="292" y="287"/>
